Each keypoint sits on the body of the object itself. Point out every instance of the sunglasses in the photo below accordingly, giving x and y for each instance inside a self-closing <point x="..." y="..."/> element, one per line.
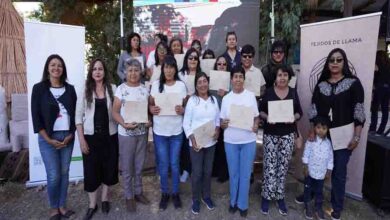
<point x="247" y="56"/>
<point x="278" y="52"/>
<point x="162" y="51"/>
<point x="221" y="64"/>
<point x="193" y="57"/>
<point x="336" y="60"/>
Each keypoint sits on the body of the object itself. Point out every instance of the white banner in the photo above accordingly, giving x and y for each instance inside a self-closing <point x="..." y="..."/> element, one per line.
<point x="358" y="36"/>
<point x="42" y="40"/>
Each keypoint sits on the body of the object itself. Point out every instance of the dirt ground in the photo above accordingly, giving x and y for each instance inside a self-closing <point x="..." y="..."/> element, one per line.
<point x="17" y="202"/>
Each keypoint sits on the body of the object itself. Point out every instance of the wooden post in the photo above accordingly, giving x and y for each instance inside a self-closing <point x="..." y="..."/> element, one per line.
<point x="348" y="8"/>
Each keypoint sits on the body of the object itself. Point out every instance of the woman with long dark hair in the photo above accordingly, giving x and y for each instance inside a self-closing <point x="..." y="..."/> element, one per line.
<point x="176" y="45"/>
<point x="53" y="105"/>
<point x="97" y="134"/>
<point x="162" y="50"/>
<point x="201" y="108"/>
<point x="133" y="51"/>
<point x="339" y="95"/>
<point x="168" y="131"/>
<point x="381" y="92"/>
<point x="220" y="169"/>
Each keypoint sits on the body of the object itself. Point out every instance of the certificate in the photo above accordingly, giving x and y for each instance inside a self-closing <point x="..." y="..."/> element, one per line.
<point x="204" y="134"/>
<point x="219" y="80"/>
<point x="156" y="73"/>
<point x="342" y="136"/>
<point x="241" y="117"/>
<point x="207" y="65"/>
<point x="190" y="84"/>
<point x="179" y="60"/>
<point x="135" y="111"/>
<point x="167" y="102"/>
<point x="293" y="82"/>
<point x="281" y="111"/>
<point x="254" y="80"/>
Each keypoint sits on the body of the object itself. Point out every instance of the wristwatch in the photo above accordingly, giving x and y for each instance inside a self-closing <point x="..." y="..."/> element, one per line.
<point x="356" y="138"/>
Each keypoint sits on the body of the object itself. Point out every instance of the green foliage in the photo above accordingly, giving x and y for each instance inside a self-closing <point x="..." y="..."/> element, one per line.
<point x="287" y="15"/>
<point x="102" y="25"/>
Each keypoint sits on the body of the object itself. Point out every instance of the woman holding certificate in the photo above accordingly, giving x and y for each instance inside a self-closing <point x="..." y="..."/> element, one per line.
<point x="220" y="169"/>
<point x="166" y="105"/>
<point x="97" y="134"/>
<point x="201" y="126"/>
<point x="239" y="118"/>
<point x="280" y="108"/>
<point x="339" y="95"/>
<point x="130" y="111"/>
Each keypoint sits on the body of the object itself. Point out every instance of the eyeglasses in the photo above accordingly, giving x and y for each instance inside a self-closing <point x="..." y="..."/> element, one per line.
<point x="246" y="56"/>
<point x="193" y="57"/>
<point x="221" y="64"/>
<point x="336" y="60"/>
<point x="162" y="51"/>
<point x="278" y="52"/>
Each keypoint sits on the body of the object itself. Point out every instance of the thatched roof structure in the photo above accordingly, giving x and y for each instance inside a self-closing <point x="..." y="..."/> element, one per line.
<point x="12" y="50"/>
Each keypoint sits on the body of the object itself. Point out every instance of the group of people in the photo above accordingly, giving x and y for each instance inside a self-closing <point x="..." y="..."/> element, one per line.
<point x="109" y="144"/>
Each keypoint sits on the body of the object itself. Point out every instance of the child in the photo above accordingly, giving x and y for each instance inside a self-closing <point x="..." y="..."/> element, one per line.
<point x="318" y="164"/>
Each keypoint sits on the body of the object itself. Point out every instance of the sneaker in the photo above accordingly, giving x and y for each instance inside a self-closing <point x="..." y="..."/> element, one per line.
<point x="184" y="176"/>
<point x="195" y="206"/>
<point x="282" y="207"/>
<point x="176" y="200"/>
<point x="264" y="206"/>
<point x="308" y="212"/>
<point x="232" y="209"/>
<point x="243" y="213"/>
<point x="320" y="214"/>
<point x="335" y="215"/>
<point x="164" y="201"/>
<point x="209" y="203"/>
<point x="299" y="199"/>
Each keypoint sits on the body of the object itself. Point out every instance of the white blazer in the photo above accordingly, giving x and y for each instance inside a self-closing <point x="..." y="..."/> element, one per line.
<point x="85" y="115"/>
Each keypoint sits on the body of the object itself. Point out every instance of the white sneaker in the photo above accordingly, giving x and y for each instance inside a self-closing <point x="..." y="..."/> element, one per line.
<point x="184" y="176"/>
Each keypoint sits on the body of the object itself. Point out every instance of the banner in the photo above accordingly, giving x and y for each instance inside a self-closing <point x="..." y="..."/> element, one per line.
<point x="204" y="20"/>
<point x="358" y="36"/>
<point x="42" y="40"/>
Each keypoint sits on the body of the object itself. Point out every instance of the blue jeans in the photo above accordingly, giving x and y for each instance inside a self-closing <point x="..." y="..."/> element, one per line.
<point x="168" y="155"/>
<point x="240" y="159"/>
<point x="339" y="178"/>
<point x="57" y="164"/>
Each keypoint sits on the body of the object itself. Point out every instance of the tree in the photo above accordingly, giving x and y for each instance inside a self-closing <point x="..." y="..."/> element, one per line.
<point x="101" y="21"/>
<point x="287" y="20"/>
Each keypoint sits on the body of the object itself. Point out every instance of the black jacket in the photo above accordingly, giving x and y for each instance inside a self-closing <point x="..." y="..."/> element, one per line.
<point x="44" y="107"/>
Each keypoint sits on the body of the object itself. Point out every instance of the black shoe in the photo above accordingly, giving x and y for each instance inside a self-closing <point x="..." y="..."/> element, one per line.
<point x="299" y="199"/>
<point x="164" y="201"/>
<point x="106" y="207"/>
<point x="90" y="213"/>
<point x="233" y="209"/>
<point x="335" y="215"/>
<point x="243" y="213"/>
<point x="176" y="200"/>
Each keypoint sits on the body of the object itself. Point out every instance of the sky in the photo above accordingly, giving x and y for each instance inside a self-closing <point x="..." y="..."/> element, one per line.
<point x="26" y="8"/>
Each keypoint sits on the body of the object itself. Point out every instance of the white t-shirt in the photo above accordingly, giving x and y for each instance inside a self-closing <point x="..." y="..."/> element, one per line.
<point x="189" y="81"/>
<point x="198" y="112"/>
<point x="127" y="93"/>
<point x="62" y="122"/>
<point x="237" y="135"/>
<point x="151" y="61"/>
<point x="168" y="125"/>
